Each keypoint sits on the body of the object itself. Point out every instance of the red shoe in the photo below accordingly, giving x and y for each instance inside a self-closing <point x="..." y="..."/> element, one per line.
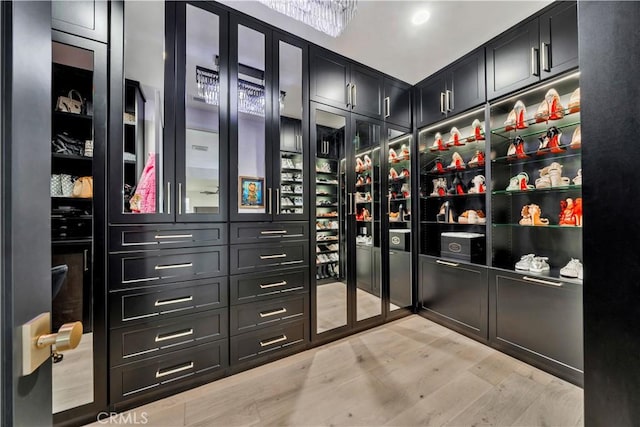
<point x="393" y="175"/>
<point x="556" y="111"/>
<point x="359" y="165"/>
<point x="567" y="217"/>
<point x="554" y="136"/>
<point x="456" y="162"/>
<point x="574" y="101"/>
<point x="454" y="140"/>
<point x="519" y="143"/>
<point x="438" y="167"/>
<point x="404" y="173"/>
<point x="577" y="211"/>
<point x="521" y="122"/>
<point x="478" y="131"/>
<point x="476" y="160"/>
<point x="368" y="180"/>
<point x="438" y="145"/>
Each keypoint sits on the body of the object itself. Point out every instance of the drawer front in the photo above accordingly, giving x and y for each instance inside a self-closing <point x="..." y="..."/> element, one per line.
<point x="69" y="227"/>
<point x="269" y="232"/>
<point x="144" y="269"/>
<point x="136" y="306"/>
<point x="266" y="342"/>
<point x="147" y="237"/>
<point x="253" y="316"/>
<point x="261" y="286"/>
<point x="152" y="339"/>
<point x="171" y="370"/>
<point x="248" y="258"/>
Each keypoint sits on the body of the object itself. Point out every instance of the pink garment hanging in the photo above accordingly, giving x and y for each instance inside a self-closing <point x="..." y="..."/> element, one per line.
<point x="146" y="190"/>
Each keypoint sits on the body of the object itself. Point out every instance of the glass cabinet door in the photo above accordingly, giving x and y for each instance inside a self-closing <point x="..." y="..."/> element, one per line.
<point x="366" y="201"/>
<point x="398" y="199"/>
<point x="333" y="209"/>
<point x="251" y="167"/>
<point x="288" y="102"/>
<point x="201" y="130"/>
<point x="142" y="190"/>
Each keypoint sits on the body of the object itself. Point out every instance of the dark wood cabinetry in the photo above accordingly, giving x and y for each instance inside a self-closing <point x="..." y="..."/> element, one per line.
<point x="534" y="50"/>
<point x="453" y="90"/>
<point x="397" y="102"/>
<point x="86" y="18"/>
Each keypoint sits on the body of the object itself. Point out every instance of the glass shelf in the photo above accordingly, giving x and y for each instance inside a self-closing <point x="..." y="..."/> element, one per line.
<point x="73" y="157"/>
<point x="326" y="230"/>
<point x="325" y="182"/>
<point x="399" y="179"/>
<point x="291" y="180"/>
<point x="467" y="169"/>
<point x="531" y="133"/>
<point x="399" y="161"/>
<point x="552" y="274"/>
<point x="532" y="122"/>
<point x="449" y="196"/>
<point x="325" y="173"/>
<point x="333" y="205"/>
<point x="452" y="223"/>
<point x="534" y="157"/>
<point x="399" y="199"/>
<point x="539" y="226"/>
<point x="291" y="170"/>
<point x="562" y="189"/>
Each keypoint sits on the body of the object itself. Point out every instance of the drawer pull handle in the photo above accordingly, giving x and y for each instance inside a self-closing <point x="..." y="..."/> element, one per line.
<point x="450" y="264"/>
<point x="160" y="373"/>
<point x="273" y="312"/>
<point x="173" y="301"/>
<point x="273" y="256"/>
<point x="165" y="337"/>
<point x="281" y="338"/>
<point x="273" y="285"/>
<point x="274" y="232"/>
<point x="173" y="236"/>
<point x="167" y="267"/>
<point x="544" y="282"/>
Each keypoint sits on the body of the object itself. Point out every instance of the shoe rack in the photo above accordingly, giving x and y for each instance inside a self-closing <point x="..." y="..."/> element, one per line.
<point x="452" y="181"/>
<point x="291" y="189"/>
<point x="536" y="193"/>
<point x="327" y="222"/>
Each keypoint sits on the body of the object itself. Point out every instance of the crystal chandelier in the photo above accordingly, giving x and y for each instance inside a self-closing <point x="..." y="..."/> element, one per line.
<point x="251" y="96"/>
<point x="329" y="16"/>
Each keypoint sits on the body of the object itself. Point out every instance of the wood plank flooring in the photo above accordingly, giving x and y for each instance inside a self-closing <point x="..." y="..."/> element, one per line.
<point x="411" y="372"/>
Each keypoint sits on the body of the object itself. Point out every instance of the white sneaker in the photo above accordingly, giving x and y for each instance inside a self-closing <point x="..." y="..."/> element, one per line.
<point x="539" y="265"/>
<point x="525" y="262"/>
<point x="573" y="269"/>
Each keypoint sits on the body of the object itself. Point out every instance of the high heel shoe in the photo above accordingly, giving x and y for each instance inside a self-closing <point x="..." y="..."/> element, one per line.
<point x="393" y="156"/>
<point x="519" y="182"/>
<point x="368" y="164"/>
<point x="404" y="174"/>
<point x="519" y="144"/>
<point x="536" y="215"/>
<point x="359" y="165"/>
<point x="456" y="162"/>
<point x="477" y="185"/>
<point x="406" y="190"/>
<point x="438" y="145"/>
<point x="446" y="213"/>
<point x="510" y="123"/>
<point x="544" y="181"/>
<point x="521" y="111"/>
<point x="457" y="186"/>
<point x="468" y="217"/>
<point x="439" y="166"/>
<point x="393" y="174"/>
<point x="542" y="113"/>
<point x="404" y="152"/>
<point x="526" y="216"/>
<point x="478" y="131"/>
<point x="576" y="139"/>
<point x="577" y="211"/>
<point x="556" y="111"/>
<point x="555" y="175"/>
<point x="578" y="179"/>
<point x="476" y="160"/>
<point x="455" y="139"/>
<point x="567" y="215"/>
<point x="555" y="143"/>
<point x="574" y="101"/>
<point x="543" y="148"/>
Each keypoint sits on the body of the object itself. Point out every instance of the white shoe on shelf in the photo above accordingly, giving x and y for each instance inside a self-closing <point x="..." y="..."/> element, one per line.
<point x="539" y="265"/>
<point x="525" y="262"/>
<point x="573" y="269"/>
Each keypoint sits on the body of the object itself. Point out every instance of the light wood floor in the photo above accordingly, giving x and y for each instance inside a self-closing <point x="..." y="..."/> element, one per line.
<point x="72" y="382"/>
<point x="411" y="372"/>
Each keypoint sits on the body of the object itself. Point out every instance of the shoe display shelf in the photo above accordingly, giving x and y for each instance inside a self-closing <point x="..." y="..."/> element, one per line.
<point x="327" y="219"/>
<point x="291" y="190"/>
<point x="536" y="191"/>
<point x="399" y="183"/>
<point x="452" y="180"/>
<point x="366" y="199"/>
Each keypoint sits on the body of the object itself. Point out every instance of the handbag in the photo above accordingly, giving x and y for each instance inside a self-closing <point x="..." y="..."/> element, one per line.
<point x="88" y="148"/>
<point x="68" y="104"/>
<point x="63" y="143"/>
<point x="56" y="185"/>
<point x="67" y="185"/>
<point x="83" y="187"/>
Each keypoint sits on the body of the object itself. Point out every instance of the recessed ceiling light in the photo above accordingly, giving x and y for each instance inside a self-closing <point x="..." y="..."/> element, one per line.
<point x="420" y="17"/>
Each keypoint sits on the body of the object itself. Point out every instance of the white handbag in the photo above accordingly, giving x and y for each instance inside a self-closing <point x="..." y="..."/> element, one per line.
<point x="56" y="186"/>
<point x="68" y="104"/>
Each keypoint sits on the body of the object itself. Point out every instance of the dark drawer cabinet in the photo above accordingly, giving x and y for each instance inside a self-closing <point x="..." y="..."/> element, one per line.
<point x="559" y="39"/>
<point x="86" y="18"/>
<point x="140" y="305"/>
<point x="268" y="342"/>
<point x="152" y="339"/>
<point x="397" y="102"/>
<point x="268" y="232"/>
<point x="163" y="373"/>
<point x="253" y="316"/>
<point x="539" y="319"/>
<point x="166" y="236"/>
<point x="248" y="258"/>
<point x="261" y="286"/>
<point x="455" y="294"/>
<point x="150" y="268"/>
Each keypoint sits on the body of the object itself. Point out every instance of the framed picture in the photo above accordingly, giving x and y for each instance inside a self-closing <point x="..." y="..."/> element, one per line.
<point x="251" y="192"/>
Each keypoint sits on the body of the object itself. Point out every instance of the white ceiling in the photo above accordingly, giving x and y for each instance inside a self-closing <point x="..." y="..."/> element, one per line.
<point x="382" y="36"/>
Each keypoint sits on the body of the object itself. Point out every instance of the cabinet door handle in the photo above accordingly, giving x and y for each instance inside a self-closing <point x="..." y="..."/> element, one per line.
<point x="281" y="338"/>
<point x="350" y="203"/>
<point x="273" y="256"/>
<point x="171" y="336"/>
<point x="442" y="103"/>
<point x="264" y="314"/>
<point x="173" y="236"/>
<point x="170" y="266"/>
<point x="449" y="264"/>
<point x="355" y="94"/>
<point x="348" y="94"/>
<point x="544" y="52"/>
<point x="272" y="285"/>
<point x="85" y="258"/>
<point x="163" y="373"/>
<point x="449" y="96"/>
<point x="387" y="107"/>
<point x="541" y="281"/>
<point x="277" y="201"/>
<point x="266" y="232"/>
<point x="160" y="303"/>
<point x="534" y="62"/>
<point x="327" y="147"/>
<point x="179" y="198"/>
<point x="270" y="201"/>
<point x="169" y="198"/>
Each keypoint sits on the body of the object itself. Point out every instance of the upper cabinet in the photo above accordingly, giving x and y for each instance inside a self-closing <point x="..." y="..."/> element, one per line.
<point x="397" y="102"/>
<point x="338" y="82"/>
<point x="84" y="18"/>
<point x="453" y="90"/>
<point x="534" y="50"/>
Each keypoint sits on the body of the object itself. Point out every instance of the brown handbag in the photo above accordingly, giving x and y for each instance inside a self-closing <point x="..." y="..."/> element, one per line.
<point x="70" y="105"/>
<point x="83" y="187"/>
